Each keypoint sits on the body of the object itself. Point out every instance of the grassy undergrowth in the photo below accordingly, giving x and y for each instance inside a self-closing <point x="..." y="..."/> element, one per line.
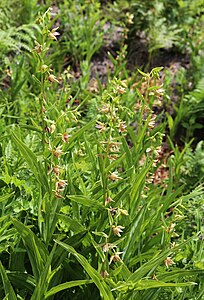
<point x="90" y="205"/>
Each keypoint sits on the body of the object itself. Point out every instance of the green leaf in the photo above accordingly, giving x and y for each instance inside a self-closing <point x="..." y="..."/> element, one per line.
<point x="137" y="187"/>
<point x="71" y="223"/>
<point x="44" y="279"/>
<point x="134" y="234"/>
<point x="155" y="261"/>
<point x="149" y="284"/>
<point x="147" y="75"/>
<point x="96" y="277"/>
<point x="8" y="289"/>
<point x="60" y="254"/>
<point x="74" y="138"/>
<point x="115" y="163"/>
<point x="22" y="280"/>
<point x="86" y="201"/>
<point x="36" y="249"/>
<point x="31" y="159"/>
<point x="170" y="122"/>
<point x="66" y="285"/>
<point x="5" y="197"/>
<point x="174" y="274"/>
<point x="126" y="149"/>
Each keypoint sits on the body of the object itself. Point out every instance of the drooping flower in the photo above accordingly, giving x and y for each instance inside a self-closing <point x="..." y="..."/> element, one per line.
<point x="54" y="33"/>
<point x="58" y="151"/>
<point x="117" y="230"/>
<point x="65" y="137"/>
<point x="52" y="78"/>
<point x="60" y="185"/>
<point x="106" y="247"/>
<point x="114" y="176"/>
<point x="56" y="170"/>
<point x="100" y="126"/>
<point x="122" y="127"/>
<point x="168" y="262"/>
<point x="104" y="274"/>
<point x="115" y="257"/>
<point x="108" y="200"/>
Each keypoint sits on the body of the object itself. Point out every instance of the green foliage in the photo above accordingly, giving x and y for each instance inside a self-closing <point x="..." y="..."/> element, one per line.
<point x="192" y="171"/>
<point x="189" y="116"/>
<point x="82" y="215"/>
<point x="83" y="26"/>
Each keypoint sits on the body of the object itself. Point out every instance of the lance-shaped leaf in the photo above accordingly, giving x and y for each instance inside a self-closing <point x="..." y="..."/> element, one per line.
<point x="31" y="159"/>
<point x="95" y="276"/>
<point x="8" y="289"/>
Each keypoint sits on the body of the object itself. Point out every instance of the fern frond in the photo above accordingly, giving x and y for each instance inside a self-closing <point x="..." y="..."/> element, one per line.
<point x="18" y="38"/>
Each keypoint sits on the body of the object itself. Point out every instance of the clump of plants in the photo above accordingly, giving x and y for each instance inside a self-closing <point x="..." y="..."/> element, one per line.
<point x="81" y="213"/>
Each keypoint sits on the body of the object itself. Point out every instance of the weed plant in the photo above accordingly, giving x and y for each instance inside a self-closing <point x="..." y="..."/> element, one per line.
<point x="81" y="214"/>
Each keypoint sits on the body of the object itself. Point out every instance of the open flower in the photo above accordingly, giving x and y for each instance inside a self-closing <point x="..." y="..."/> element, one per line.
<point x="114" y="176"/>
<point x="104" y="274"/>
<point x="122" y="127"/>
<point x="60" y="185"/>
<point x="168" y="262"/>
<point x="117" y="230"/>
<point x="54" y="33"/>
<point x="100" y="126"/>
<point x="38" y="48"/>
<point x="56" y="170"/>
<point x="105" y="109"/>
<point x="108" y="246"/>
<point x="52" y="78"/>
<point x="115" y="257"/>
<point x="58" y="151"/>
<point x="108" y="200"/>
<point x="65" y="137"/>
